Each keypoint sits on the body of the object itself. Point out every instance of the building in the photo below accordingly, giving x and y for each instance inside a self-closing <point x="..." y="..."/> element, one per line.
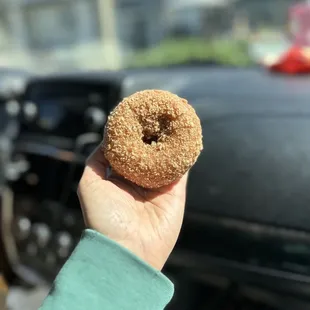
<point x="77" y="33"/>
<point x="199" y="17"/>
<point x="60" y="33"/>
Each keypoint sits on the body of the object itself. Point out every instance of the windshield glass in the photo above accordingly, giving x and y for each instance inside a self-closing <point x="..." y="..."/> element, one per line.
<point x="59" y="35"/>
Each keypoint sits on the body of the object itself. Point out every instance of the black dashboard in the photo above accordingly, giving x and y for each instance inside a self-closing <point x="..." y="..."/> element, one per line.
<point x="248" y="199"/>
<point x="67" y="106"/>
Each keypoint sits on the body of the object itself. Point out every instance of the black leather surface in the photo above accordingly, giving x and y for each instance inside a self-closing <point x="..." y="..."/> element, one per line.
<point x="256" y="161"/>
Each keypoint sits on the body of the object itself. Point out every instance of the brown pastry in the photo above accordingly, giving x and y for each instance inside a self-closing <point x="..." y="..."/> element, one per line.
<point x="152" y="138"/>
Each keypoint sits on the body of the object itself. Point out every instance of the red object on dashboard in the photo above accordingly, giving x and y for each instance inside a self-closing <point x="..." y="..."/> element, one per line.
<point x="295" y="61"/>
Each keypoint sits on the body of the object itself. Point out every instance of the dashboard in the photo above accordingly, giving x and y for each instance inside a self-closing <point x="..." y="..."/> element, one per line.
<point x="247" y="206"/>
<point x="67" y="106"/>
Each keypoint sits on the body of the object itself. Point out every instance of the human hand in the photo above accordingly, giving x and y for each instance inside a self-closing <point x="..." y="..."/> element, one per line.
<point x="145" y="221"/>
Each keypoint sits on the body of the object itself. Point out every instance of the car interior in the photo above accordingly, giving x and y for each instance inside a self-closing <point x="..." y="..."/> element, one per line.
<point x="245" y="242"/>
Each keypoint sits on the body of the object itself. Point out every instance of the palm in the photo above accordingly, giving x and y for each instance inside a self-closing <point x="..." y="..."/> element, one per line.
<point x="145" y="221"/>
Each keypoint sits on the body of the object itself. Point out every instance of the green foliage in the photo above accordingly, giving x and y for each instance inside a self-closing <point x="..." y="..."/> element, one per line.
<point x="178" y="51"/>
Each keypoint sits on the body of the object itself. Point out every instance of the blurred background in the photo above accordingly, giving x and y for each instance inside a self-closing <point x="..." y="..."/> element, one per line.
<point x="64" y="64"/>
<point x="48" y="35"/>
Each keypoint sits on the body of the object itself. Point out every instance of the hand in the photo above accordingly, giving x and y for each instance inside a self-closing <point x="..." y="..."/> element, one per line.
<point x="146" y="222"/>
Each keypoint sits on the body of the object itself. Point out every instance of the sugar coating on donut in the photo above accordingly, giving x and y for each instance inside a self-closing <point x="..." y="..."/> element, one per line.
<point x="152" y="138"/>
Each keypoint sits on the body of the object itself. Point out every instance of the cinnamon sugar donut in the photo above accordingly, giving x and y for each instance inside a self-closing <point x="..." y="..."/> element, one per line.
<point x="152" y="138"/>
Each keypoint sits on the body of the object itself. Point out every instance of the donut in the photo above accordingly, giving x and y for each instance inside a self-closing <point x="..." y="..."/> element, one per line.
<point x="152" y="138"/>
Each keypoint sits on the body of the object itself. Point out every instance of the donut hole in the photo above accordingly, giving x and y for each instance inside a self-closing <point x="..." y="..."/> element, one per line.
<point x="157" y="130"/>
<point x="150" y="139"/>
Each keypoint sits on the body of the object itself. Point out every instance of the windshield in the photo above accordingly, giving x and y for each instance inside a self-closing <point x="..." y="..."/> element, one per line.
<point x="50" y="35"/>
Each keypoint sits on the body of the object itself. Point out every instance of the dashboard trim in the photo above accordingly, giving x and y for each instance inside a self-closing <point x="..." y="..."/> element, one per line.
<point x="49" y="151"/>
<point x="241" y="273"/>
<point x="256" y="228"/>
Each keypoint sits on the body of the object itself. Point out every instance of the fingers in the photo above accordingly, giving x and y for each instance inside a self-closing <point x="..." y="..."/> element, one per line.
<point x="182" y="183"/>
<point x="177" y="188"/>
<point x="98" y="156"/>
<point x="97" y="164"/>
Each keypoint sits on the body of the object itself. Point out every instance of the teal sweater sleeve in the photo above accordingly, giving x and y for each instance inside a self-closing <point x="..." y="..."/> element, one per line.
<point x="100" y="274"/>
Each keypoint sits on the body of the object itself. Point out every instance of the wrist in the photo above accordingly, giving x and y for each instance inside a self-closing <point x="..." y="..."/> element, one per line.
<point x="151" y="255"/>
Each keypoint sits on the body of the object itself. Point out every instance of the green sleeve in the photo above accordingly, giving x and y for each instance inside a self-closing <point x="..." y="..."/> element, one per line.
<point x="100" y="274"/>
